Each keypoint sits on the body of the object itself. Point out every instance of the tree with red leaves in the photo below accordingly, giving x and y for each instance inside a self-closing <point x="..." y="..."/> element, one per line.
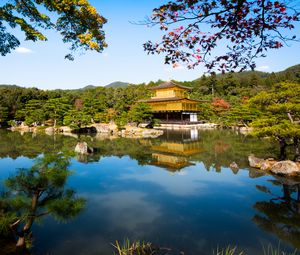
<point x="248" y="28"/>
<point x="220" y="105"/>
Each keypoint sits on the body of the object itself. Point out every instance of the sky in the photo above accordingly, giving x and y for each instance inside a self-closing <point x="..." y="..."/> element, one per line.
<point x="42" y="64"/>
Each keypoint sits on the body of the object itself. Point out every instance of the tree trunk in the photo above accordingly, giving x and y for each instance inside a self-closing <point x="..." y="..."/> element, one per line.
<point x="297" y="149"/>
<point x="298" y="198"/>
<point x="290" y="117"/>
<point x="286" y="192"/>
<point x="287" y="195"/>
<point x="55" y="119"/>
<point x="21" y="243"/>
<point x="283" y="145"/>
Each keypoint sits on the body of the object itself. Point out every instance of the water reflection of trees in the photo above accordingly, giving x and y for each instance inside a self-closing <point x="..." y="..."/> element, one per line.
<point x="215" y="148"/>
<point x="280" y="214"/>
<point x="33" y="193"/>
<point x="222" y="147"/>
<point x="15" y="144"/>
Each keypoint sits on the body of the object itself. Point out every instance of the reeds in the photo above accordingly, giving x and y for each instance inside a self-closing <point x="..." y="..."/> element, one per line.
<point x="135" y="248"/>
<point x="270" y="250"/>
<point x="146" y="248"/>
<point x="228" y="251"/>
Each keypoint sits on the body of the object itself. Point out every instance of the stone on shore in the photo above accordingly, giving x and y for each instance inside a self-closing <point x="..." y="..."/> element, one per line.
<point x="136" y="132"/>
<point x="50" y="130"/>
<point x="255" y="162"/>
<point x="82" y="148"/>
<point x="234" y="165"/>
<point x="286" y="167"/>
<point x="65" y="129"/>
<point x="268" y="164"/>
<point x="106" y="128"/>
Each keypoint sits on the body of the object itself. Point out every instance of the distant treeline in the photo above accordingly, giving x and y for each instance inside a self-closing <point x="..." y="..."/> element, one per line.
<point x="102" y="104"/>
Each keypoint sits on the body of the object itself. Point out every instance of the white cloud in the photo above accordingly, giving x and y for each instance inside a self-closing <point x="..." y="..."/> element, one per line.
<point x="23" y="50"/>
<point x="127" y="209"/>
<point x="105" y="54"/>
<point x="262" y="68"/>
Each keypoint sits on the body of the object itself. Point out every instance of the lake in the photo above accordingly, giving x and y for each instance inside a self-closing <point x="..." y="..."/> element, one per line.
<point x="180" y="191"/>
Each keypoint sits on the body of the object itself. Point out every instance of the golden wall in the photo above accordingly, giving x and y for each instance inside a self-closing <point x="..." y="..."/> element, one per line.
<point x="169" y="92"/>
<point x="183" y="105"/>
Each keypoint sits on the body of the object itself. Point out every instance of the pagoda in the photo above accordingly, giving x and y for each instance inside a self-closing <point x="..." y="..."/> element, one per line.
<point x="170" y="104"/>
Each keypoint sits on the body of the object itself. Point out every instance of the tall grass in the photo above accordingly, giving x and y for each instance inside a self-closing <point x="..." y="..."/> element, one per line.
<point x="228" y="251"/>
<point x="144" y="248"/>
<point x="270" y="250"/>
<point x="135" y="248"/>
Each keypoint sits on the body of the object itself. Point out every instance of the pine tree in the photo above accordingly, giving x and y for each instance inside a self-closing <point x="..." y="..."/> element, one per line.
<point x="280" y="115"/>
<point x="36" y="192"/>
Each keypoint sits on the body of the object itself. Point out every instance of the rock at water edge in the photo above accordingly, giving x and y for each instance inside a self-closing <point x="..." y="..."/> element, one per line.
<point x="255" y="162"/>
<point x="82" y="148"/>
<point x="286" y="167"/>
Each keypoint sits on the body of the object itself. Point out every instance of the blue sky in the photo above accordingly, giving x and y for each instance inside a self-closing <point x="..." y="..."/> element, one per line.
<point x="42" y="64"/>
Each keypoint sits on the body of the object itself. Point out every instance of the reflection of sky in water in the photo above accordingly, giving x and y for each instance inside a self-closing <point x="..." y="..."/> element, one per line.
<point x="193" y="210"/>
<point x="8" y="166"/>
<point x="191" y="181"/>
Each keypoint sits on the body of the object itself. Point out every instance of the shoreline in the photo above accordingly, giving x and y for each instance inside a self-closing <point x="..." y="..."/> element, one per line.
<point x="110" y="129"/>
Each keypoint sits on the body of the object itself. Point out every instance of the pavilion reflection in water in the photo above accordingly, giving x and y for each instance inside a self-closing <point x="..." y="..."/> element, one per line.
<point x="175" y="149"/>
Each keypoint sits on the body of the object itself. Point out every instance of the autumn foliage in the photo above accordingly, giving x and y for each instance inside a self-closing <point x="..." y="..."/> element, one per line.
<point x="220" y="104"/>
<point x="78" y="22"/>
<point x="193" y="29"/>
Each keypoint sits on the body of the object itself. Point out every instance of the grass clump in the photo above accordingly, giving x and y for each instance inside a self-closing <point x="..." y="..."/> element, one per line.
<point x="146" y="248"/>
<point x="228" y="251"/>
<point x="137" y="248"/>
<point x="270" y="250"/>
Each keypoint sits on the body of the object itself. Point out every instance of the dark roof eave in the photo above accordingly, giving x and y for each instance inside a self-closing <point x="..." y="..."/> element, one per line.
<point x="168" y="99"/>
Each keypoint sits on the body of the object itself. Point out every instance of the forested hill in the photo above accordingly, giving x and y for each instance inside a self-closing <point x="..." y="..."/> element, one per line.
<point x="246" y="83"/>
<point x="292" y="73"/>
<point x="98" y="103"/>
<point x="117" y="84"/>
<point x="8" y="86"/>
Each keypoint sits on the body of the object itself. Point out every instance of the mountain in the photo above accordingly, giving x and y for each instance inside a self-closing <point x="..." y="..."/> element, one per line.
<point x="117" y="84"/>
<point x="88" y="87"/>
<point x="292" y="73"/>
<point x="7" y="86"/>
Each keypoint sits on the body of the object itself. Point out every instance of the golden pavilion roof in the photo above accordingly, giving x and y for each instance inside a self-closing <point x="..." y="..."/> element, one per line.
<point x="164" y="99"/>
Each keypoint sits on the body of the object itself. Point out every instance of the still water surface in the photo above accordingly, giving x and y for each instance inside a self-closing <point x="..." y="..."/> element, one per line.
<point x="176" y="191"/>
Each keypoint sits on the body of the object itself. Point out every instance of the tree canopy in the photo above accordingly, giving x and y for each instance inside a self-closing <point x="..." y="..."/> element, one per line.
<point x="193" y="29"/>
<point x="77" y="21"/>
<point x="35" y="192"/>
<point x="280" y="114"/>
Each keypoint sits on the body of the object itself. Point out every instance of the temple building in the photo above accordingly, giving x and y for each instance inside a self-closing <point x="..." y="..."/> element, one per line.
<point x="170" y="104"/>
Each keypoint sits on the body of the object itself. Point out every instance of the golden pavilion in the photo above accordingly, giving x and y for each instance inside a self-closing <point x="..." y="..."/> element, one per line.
<point x="170" y="104"/>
